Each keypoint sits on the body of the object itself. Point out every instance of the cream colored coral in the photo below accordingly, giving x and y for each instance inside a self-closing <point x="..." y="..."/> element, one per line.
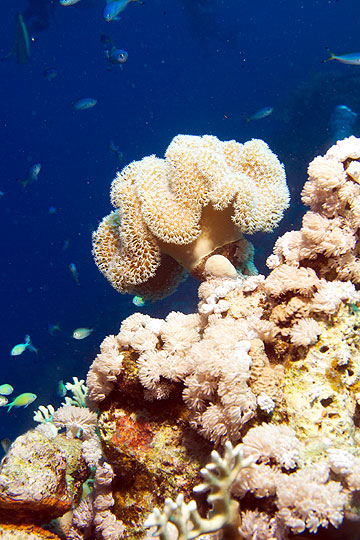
<point x="203" y="195"/>
<point x="305" y="332"/>
<point x="78" y="421"/>
<point x="330" y="230"/>
<point x="288" y="278"/>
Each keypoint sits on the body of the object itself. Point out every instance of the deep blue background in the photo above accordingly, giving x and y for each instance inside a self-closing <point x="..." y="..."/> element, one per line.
<point x="194" y="67"/>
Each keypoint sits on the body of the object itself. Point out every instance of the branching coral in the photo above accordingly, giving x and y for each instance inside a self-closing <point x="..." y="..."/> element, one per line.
<point x="218" y="477"/>
<point x="200" y="198"/>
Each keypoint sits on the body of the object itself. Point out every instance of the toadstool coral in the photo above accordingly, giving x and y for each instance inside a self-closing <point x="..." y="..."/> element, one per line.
<point x="171" y="214"/>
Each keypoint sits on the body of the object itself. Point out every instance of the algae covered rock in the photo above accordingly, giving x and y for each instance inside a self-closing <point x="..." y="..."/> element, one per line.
<point x="40" y="478"/>
<point x="152" y="450"/>
<point x="25" y="532"/>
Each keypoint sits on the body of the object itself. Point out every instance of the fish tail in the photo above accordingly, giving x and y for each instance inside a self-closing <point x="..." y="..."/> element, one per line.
<point x="331" y="57"/>
<point x="29" y="345"/>
<point x="24" y="183"/>
<point x="9" y="406"/>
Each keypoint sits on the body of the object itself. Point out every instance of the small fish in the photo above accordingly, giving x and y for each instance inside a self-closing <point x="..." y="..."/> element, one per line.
<point x="138" y="301"/>
<point x="115" y="150"/>
<point x="20" y="348"/>
<point x="114" y="55"/>
<point x="65" y="245"/>
<point x="114" y="7"/>
<point x="259" y="115"/>
<point x="33" y="175"/>
<point x="52" y="328"/>
<point x="3" y="401"/>
<point x="68" y="2"/>
<point x="1" y="194"/>
<point x="74" y="273"/>
<point x="117" y="57"/>
<point x="349" y="58"/>
<point x="84" y="103"/>
<point x="5" y="444"/>
<point x="61" y="389"/>
<point x="23" y="400"/>
<point x="82" y="333"/>
<point x="6" y="389"/>
<point x="52" y="210"/>
<point x="49" y="74"/>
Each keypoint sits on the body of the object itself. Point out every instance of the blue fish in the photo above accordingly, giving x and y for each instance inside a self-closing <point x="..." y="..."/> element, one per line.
<point x="74" y="273"/>
<point x="52" y="328"/>
<point x="68" y="2"/>
<point x="138" y="301"/>
<point x="113" y="55"/>
<point x="262" y="113"/>
<point x="50" y="74"/>
<point x="32" y="176"/>
<point x="115" y="150"/>
<point x="349" y="58"/>
<point x="117" y="56"/>
<point x="84" y="103"/>
<point x="114" y="7"/>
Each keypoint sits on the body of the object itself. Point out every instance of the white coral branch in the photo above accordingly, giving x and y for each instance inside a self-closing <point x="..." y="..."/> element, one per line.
<point x="218" y="477"/>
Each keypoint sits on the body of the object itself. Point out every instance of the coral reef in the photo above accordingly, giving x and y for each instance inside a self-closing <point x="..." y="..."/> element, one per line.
<point x="269" y="364"/>
<point x="274" y="361"/>
<point x="197" y="201"/>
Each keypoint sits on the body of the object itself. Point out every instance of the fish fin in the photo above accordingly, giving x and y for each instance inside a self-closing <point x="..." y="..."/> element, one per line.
<point x="331" y="57"/>
<point x="10" y="406"/>
<point x="23" y="183"/>
<point x="29" y="345"/>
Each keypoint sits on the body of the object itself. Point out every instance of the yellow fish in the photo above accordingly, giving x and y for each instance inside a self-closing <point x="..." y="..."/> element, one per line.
<point x="23" y="400"/>
<point x="6" y="389"/>
<point x="82" y="333"/>
<point x="20" y="347"/>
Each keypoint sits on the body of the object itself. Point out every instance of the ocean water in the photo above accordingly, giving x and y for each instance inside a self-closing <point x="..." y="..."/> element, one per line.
<point x="194" y="67"/>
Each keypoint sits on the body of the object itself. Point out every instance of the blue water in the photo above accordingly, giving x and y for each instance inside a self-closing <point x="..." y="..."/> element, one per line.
<point x="194" y="66"/>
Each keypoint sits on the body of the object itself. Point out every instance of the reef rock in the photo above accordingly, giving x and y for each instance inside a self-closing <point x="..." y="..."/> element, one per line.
<point x="25" y="532"/>
<point x="40" y="478"/>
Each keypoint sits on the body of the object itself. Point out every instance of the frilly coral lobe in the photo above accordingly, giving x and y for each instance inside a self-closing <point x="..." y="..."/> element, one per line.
<point x="172" y="213"/>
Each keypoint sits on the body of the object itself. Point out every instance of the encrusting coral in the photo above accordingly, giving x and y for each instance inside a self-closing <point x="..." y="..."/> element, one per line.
<point x="172" y="213"/>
